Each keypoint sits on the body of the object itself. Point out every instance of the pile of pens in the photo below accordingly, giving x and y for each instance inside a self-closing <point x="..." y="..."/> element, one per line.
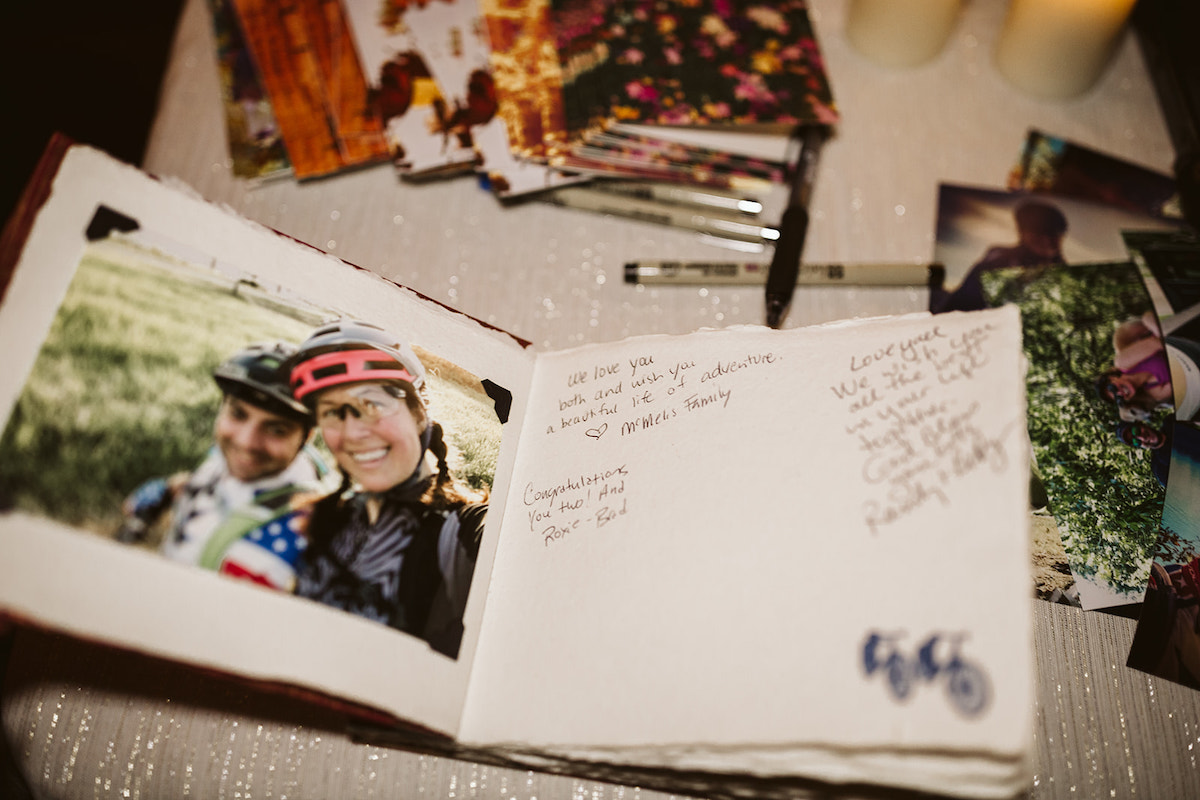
<point x="726" y="216"/>
<point x="630" y="84"/>
<point x="735" y="216"/>
<point x="723" y="215"/>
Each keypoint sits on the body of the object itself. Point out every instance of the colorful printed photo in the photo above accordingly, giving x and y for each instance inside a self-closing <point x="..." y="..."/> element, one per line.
<point x="306" y="60"/>
<point x="1170" y="264"/>
<point x="1100" y="408"/>
<point x="183" y="408"/>
<point x="1167" y="640"/>
<point x="427" y="82"/>
<point x="690" y="63"/>
<point x="255" y="141"/>
<point x="1097" y="412"/>
<point x="1053" y="165"/>
<point x="981" y="229"/>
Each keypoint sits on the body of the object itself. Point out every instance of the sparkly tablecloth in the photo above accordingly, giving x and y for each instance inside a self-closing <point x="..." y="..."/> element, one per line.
<point x="84" y="721"/>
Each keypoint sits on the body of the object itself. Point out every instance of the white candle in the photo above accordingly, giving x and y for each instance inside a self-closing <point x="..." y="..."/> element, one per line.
<point x="900" y="33"/>
<point x="1058" y="48"/>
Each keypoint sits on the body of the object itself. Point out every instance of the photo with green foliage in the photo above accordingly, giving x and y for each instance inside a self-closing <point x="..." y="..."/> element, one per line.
<point x="1103" y="494"/>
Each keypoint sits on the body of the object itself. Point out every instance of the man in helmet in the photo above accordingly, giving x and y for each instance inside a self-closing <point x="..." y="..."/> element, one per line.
<point x="1041" y="227"/>
<point x="235" y="513"/>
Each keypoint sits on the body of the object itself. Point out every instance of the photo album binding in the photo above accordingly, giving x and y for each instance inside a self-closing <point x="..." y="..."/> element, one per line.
<point x="696" y="562"/>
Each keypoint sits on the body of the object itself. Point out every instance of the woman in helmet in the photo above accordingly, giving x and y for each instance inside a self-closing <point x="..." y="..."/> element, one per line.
<point x="1140" y="379"/>
<point x="397" y="542"/>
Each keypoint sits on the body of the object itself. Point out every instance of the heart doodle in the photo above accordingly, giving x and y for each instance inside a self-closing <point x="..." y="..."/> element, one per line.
<point x="596" y="433"/>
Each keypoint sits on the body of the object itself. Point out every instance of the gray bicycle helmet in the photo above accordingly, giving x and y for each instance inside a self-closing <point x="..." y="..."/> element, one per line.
<point x="258" y="375"/>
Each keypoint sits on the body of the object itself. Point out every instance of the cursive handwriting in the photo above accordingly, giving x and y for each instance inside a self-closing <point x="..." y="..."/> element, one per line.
<point x="578" y="502"/>
<point x="642" y="393"/>
<point x="915" y="440"/>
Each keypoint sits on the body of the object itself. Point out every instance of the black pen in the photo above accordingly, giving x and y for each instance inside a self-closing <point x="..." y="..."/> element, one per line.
<point x="793" y="228"/>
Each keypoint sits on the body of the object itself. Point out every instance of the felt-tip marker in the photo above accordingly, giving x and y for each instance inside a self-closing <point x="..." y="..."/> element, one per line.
<point x="682" y="195"/>
<point x="688" y="273"/>
<point x="713" y="224"/>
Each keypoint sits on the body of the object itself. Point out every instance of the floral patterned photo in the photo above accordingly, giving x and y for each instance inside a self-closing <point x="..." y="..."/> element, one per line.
<point x="690" y="63"/>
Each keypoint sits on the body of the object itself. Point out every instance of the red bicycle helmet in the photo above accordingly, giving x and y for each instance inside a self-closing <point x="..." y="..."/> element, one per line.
<point x="350" y="351"/>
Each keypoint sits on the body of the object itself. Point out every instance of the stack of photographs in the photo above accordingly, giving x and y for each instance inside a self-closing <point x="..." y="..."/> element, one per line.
<point x="304" y="59"/>
<point x="529" y="96"/>
<point x="1062" y="261"/>
<point x="1095" y="253"/>
<point x="683" y="64"/>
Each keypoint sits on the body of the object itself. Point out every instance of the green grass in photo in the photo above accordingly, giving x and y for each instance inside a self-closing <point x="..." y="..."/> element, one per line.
<point x="1102" y="493"/>
<point x="122" y="389"/>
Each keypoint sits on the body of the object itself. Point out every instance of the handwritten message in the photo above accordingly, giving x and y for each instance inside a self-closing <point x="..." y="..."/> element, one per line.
<point x="914" y="438"/>
<point x="626" y="399"/>
<point x="581" y="502"/>
<point x="636" y="394"/>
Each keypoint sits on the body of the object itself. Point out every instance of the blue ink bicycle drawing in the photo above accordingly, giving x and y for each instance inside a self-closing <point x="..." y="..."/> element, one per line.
<point x="967" y="686"/>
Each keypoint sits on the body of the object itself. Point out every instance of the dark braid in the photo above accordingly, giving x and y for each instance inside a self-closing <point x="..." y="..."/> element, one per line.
<point x="437" y="446"/>
<point x="445" y="492"/>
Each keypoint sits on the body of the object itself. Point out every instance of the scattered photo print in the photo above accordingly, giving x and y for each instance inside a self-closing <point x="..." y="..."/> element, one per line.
<point x="980" y="229"/>
<point x="1170" y="261"/>
<point x="1167" y="640"/>
<point x="306" y="61"/>
<point x="1054" y="165"/>
<point x="158" y="414"/>
<point x="690" y="63"/>
<point x="527" y="75"/>
<point x="425" y="83"/>
<point x="1170" y="264"/>
<point x="255" y="141"/>
<point x="1100" y="409"/>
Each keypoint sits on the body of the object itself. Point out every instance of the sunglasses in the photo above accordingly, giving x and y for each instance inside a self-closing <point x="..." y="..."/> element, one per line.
<point x="368" y="404"/>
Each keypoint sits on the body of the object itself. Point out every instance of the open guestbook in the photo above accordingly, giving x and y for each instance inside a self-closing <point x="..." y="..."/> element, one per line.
<point x="723" y="562"/>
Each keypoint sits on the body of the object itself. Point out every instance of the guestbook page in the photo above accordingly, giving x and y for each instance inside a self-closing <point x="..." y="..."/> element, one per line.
<point x="746" y="537"/>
